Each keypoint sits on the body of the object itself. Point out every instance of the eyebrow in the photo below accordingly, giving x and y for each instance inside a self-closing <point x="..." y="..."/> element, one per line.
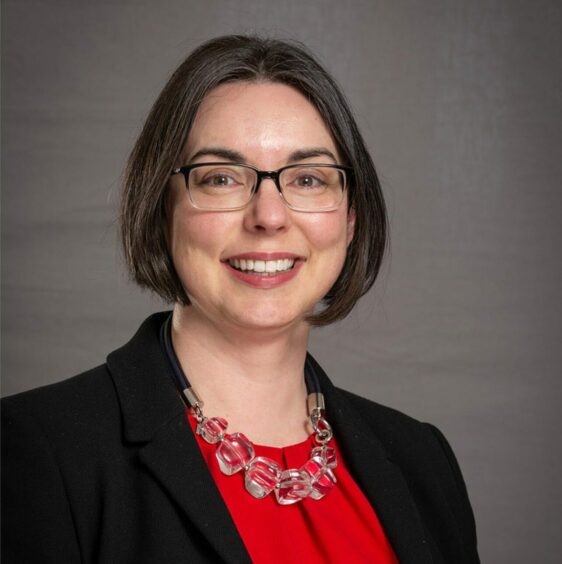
<point x="303" y="154"/>
<point x="220" y="152"/>
<point x="235" y="156"/>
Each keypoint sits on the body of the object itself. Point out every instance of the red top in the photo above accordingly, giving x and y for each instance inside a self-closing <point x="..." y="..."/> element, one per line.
<point x="341" y="527"/>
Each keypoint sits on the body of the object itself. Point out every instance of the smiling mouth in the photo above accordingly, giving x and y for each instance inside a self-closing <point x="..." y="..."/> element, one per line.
<point x="262" y="267"/>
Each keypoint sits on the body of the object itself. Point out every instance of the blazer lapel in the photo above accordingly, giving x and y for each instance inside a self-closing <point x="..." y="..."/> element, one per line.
<point x="380" y="479"/>
<point x="154" y="417"/>
<point x="174" y="459"/>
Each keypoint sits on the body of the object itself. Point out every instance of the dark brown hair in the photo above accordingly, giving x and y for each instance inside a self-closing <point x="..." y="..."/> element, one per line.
<point x="236" y="58"/>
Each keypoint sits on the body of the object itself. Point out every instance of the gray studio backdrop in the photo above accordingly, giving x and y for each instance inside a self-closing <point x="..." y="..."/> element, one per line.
<point x="460" y="103"/>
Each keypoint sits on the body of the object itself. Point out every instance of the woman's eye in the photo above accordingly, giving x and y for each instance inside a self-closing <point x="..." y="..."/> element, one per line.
<point x="219" y="180"/>
<point x="309" y="181"/>
<point x="306" y="181"/>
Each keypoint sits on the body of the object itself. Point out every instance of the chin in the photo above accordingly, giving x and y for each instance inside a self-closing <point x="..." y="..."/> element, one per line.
<point x="268" y="318"/>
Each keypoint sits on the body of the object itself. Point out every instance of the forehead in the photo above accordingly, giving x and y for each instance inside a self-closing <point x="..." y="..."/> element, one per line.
<point x="264" y="121"/>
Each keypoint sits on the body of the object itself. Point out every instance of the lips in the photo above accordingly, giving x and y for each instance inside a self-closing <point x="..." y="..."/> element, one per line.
<point x="262" y="266"/>
<point x="264" y="270"/>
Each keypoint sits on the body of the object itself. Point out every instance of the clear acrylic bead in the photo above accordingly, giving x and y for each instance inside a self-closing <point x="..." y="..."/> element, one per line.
<point x="323" y="484"/>
<point x="212" y="430"/>
<point x="262" y="476"/>
<point x="294" y="485"/>
<point x="326" y="454"/>
<point x="234" y="453"/>
<point x="322" y="479"/>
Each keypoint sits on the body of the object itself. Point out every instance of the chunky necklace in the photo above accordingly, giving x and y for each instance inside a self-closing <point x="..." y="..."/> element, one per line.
<point x="235" y="452"/>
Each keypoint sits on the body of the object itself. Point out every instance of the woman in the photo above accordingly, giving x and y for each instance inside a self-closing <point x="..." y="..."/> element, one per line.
<point x="251" y="204"/>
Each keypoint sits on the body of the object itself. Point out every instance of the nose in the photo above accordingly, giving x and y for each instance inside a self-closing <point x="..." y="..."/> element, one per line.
<point x="267" y="211"/>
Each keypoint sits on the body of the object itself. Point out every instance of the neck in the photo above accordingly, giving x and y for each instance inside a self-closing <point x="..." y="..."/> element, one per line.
<point x="254" y="379"/>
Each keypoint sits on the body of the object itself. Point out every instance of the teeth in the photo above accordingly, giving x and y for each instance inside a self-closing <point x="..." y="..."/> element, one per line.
<point x="262" y="266"/>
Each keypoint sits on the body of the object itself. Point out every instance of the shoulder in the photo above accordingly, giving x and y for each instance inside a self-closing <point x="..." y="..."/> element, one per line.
<point x="79" y="391"/>
<point x="411" y="442"/>
<point x="81" y="406"/>
<point x="391" y="425"/>
<point x="57" y="441"/>
<point x="425" y="458"/>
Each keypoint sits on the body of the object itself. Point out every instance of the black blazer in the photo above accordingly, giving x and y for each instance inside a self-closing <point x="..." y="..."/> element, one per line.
<point x="103" y="467"/>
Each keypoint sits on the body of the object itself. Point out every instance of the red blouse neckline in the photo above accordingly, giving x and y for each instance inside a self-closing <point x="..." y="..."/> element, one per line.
<point x="341" y="527"/>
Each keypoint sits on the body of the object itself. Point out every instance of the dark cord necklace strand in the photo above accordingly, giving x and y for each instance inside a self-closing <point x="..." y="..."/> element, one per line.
<point x="235" y="452"/>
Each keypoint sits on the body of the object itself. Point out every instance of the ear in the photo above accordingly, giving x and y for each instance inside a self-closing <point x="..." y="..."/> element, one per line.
<point x="350" y="225"/>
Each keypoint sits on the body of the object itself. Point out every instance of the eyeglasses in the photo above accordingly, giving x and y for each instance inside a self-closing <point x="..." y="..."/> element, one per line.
<point x="227" y="186"/>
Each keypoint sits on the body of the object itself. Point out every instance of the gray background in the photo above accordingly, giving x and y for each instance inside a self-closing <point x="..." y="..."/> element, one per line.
<point x="460" y="103"/>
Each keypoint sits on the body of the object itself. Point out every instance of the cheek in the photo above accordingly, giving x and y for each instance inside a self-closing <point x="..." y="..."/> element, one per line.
<point x="327" y="230"/>
<point x="328" y="234"/>
<point x="192" y="231"/>
<point x="195" y="246"/>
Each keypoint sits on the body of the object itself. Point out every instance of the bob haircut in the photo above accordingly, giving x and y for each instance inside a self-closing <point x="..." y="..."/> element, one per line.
<point x="238" y="58"/>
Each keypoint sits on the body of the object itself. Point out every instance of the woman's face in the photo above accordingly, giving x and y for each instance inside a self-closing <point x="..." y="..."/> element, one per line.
<point x="265" y="124"/>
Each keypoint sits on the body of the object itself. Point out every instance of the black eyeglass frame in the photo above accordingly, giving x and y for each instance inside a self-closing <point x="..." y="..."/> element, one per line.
<point x="261" y="175"/>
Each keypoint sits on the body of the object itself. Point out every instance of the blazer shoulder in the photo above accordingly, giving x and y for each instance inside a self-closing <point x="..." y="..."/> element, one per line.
<point x="65" y="407"/>
<point x="418" y="447"/>
<point x="70" y="388"/>
<point x="426" y="459"/>
<point x="386" y="420"/>
<point x="57" y="442"/>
